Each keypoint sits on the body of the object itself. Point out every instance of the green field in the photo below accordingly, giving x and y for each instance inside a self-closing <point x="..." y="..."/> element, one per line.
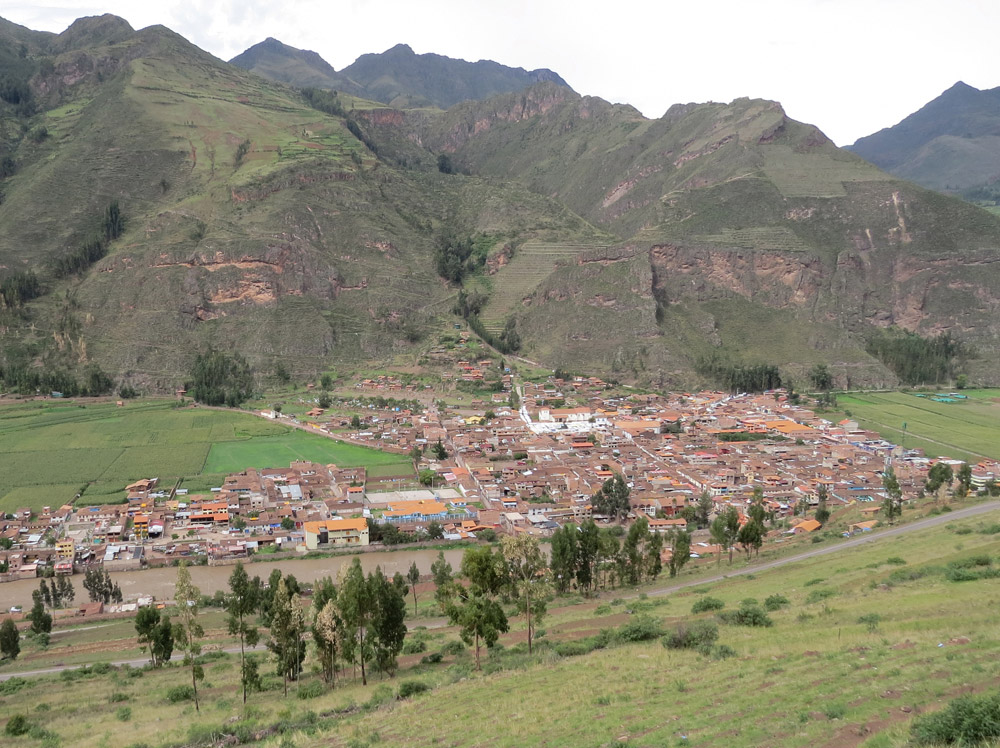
<point x="49" y="453"/>
<point x="965" y="430"/>
<point x="278" y="451"/>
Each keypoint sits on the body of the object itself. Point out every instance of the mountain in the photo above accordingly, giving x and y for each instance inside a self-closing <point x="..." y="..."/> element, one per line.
<point x="252" y="221"/>
<point x="741" y="233"/>
<point x="397" y="77"/>
<point x="167" y="202"/>
<point x="952" y="143"/>
<point x="400" y="77"/>
<point x="279" y="62"/>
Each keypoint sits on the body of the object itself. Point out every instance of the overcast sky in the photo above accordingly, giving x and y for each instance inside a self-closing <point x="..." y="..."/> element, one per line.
<point x="849" y="66"/>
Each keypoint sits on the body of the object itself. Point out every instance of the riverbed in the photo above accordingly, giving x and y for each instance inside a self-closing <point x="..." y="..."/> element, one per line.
<point x="159" y="582"/>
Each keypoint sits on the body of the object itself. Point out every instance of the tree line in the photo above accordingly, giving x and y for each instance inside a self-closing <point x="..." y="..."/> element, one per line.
<point x="21" y="377"/>
<point x="914" y="359"/>
<point x="739" y="377"/>
<point x="219" y="378"/>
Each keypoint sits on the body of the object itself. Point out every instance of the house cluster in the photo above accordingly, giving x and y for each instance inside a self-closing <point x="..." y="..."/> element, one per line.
<point x="516" y="470"/>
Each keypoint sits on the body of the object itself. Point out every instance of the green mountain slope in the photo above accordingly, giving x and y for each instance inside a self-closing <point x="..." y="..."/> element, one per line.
<point x="252" y="221"/>
<point x="742" y="233"/>
<point x="952" y="143"/>
<point x="398" y="77"/>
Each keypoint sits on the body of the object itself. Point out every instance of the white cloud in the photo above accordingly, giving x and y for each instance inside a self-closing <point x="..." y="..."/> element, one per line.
<point x="849" y="66"/>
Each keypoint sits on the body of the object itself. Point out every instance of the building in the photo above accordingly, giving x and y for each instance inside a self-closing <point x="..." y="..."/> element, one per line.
<point x="337" y="532"/>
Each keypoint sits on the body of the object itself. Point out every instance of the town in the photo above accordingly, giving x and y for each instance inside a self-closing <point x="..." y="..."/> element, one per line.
<point x="527" y="461"/>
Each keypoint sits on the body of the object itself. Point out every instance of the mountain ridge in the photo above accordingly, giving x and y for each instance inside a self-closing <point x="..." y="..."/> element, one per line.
<point x="397" y="77"/>
<point x="951" y="143"/>
<point x="307" y="233"/>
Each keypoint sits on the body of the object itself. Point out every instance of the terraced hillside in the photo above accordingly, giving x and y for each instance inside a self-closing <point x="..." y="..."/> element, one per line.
<point x="533" y="262"/>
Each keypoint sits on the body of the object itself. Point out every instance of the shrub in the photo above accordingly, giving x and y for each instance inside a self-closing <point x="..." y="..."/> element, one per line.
<point x="414" y="646"/>
<point x="310" y="690"/>
<point x="180" y="693"/>
<point x="17" y="725"/>
<point x="707" y="604"/>
<point x="895" y="561"/>
<point x="967" y="720"/>
<point x="811" y="582"/>
<point x="990" y="529"/>
<point x="432" y="659"/>
<point x="118" y="697"/>
<point x="124" y="713"/>
<point x="640" y="629"/>
<point x="775" y="602"/>
<point x="835" y="711"/>
<point x="12" y="685"/>
<point x="454" y="647"/>
<point x="747" y="615"/>
<point x="576" y="648"/>
<point x="818" y="595"/>
<point x="602" y="610"/>
<point x="692" y="636"/>
<point x="410" y="688"/>
<point x="717" y="652"/>
<point x="871" y="620"/>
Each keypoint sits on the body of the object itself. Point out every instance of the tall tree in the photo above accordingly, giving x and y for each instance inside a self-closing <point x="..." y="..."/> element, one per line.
<point x="480" y="618"/>
<point x="156" y="632"/>
<point x="441" y="574"/>
<point x="41" y="620"/>
<point x="413" y="577"/>
<point x="327" y="630"/>
<point x="286" y="629"/>
<point x="893" y="504"/>
<point x="242" y="603"/>
<point x="751" y="537"/>
<point x="388" y="626"/>
<point x="563" y="557"/>
<point x="527" y="568"/>
<point x="724" y="530"/>
<point x="612" y="498"/>
<point x="680" y="544"/>
<point x="189" y="631"/>
<point x="939" y="475"/>
<point x="357" y="608"/>
<point x="704" y="509"/>
<point x="634" y="552"/>
<point x="588" y="550"/>
<point x="964" y="478"/>
<point x="10" y="640"/>
<point x="822" y="513"/>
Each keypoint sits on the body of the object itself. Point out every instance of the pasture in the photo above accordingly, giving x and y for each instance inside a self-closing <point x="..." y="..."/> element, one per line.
<point x="51" y="451"/>
<point x="964" y="429"/>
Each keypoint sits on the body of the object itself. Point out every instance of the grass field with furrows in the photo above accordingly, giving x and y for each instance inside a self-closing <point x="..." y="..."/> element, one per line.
<point x="861" y="642"/>
<point x="966" y="429"/>
<point x="50" y="452"/>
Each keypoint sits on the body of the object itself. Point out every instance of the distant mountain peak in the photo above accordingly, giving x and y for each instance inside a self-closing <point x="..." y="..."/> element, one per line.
<point x="401" y="49"/>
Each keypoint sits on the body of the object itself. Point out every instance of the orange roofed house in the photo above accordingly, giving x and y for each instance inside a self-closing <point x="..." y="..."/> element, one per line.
<point x="336" y="532"/>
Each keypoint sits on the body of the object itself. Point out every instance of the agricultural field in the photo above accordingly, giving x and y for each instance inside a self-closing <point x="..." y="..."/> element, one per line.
<point x="964" y="429"/>
<point x="51" y="452"/>
<point x="860" y="644"/>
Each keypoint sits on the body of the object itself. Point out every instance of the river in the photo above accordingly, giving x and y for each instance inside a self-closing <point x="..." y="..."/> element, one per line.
<point x="160" y="582"/>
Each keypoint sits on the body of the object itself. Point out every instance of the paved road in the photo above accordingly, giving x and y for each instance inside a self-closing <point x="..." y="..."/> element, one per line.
<point x="868" y="537"/>
<point x="871" y="537"/>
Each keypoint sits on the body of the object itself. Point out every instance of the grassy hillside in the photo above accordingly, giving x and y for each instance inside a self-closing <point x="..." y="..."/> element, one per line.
<point x="861" y="643"/>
